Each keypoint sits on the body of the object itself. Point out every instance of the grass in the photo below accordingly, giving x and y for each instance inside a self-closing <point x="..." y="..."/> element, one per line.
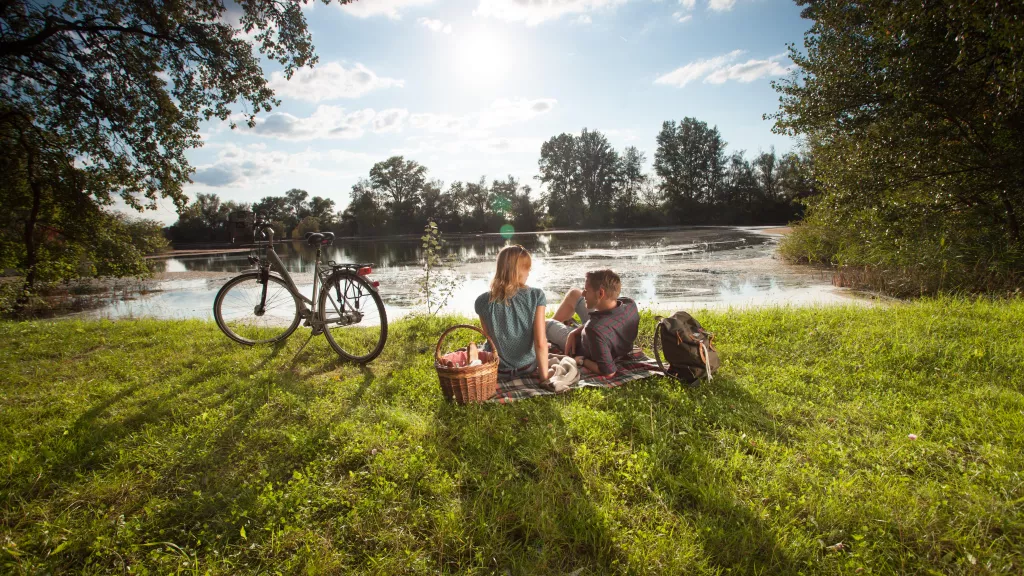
<point x="161" y="447"/>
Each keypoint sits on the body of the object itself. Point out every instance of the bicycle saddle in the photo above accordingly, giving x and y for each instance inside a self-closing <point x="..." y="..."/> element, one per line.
<point x="319" y="238"/>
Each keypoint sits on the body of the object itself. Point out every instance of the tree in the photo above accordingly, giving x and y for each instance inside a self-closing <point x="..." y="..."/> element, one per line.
<point x="499" y="202"/>
<point x="435" y="205"/>
<point x="766" y="168"/>
<point x="633" y="180"/>
<point x="450" y="213"/>
<point x="322" y="209"/>
<point x="526" y="213"/>
<point x="364" y="215"/>
<point x="399" y="183"/>
<point x="105" y="97"/>
<point x="297" y="206"/>
<point x="272" y="209"/>
<point x="306" y="225"/>
<point x="205" y="219"/>
<point x="599" y="175"/>
<point x="796" y="176"/>
<point x="690" y="160"/>
<point x="913" y="114"/>
<point x="475" y="197"/>
<point x="741" y="191"/>
<point x="559" y="174"/>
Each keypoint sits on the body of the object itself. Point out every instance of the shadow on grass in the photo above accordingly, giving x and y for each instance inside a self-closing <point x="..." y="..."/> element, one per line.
<point x="688" y="479"/>
<point x="91" y="442"/>
<point x="523" y="500"/>
<point x="531" y="480"/>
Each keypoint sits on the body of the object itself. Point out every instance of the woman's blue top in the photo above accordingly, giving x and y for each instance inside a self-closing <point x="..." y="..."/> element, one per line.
<point x="510" y="324"/>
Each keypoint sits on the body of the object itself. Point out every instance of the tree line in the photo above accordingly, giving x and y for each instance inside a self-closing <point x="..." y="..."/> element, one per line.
<point x="584" y="183"/>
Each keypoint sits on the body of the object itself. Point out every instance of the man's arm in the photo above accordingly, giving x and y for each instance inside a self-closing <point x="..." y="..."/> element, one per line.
<point x="602" y="364"/>
<point x="592" y="366"/>
<point x="571" y="342"/>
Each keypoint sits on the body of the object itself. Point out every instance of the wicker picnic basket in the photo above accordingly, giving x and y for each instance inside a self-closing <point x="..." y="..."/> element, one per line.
<point x="468" y="384"/>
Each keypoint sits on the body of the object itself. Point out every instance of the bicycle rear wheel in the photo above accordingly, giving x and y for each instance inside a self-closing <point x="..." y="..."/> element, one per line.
<point x="353" y="317"/>
<point x="239" y="315"/>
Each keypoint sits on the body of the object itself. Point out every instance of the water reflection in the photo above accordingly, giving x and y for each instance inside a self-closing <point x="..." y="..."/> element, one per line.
<point x="661" y="269"/>
<point x="657" y="246"/>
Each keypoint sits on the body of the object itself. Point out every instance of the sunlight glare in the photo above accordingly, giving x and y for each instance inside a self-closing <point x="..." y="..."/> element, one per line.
<point x="482" y="58"/>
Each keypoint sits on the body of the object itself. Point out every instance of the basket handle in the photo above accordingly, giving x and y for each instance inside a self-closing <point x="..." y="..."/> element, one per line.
<point x="437" y="351"/>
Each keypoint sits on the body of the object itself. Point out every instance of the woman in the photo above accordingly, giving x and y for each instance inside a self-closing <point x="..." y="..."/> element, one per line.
<point x="512" y="314"/>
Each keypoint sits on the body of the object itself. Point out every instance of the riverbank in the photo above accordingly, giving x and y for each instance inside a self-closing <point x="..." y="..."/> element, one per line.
<point x="833" y="440"/>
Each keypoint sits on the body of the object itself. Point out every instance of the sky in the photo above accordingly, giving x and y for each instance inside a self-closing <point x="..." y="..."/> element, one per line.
<point x="472" y="88"/>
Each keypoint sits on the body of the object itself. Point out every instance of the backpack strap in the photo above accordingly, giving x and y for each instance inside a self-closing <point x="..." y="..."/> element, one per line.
<point x="704" y="357"/>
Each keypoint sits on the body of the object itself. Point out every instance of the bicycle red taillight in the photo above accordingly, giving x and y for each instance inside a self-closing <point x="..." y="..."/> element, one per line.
<point x="375" y="284"/>
<point x="364" y="271"/>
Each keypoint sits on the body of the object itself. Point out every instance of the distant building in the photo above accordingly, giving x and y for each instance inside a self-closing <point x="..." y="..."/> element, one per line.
<point x="240" y="223"/>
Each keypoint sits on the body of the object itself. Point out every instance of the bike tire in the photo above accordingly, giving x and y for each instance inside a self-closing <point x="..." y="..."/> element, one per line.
<point x="360" y="341"/>
<point x="234" y="309"/>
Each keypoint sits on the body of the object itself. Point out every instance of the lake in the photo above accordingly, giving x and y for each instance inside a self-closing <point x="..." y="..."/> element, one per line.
<point x="665" y="270"/>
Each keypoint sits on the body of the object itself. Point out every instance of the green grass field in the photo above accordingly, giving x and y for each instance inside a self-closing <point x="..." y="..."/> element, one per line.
<point x="162" y="447"/>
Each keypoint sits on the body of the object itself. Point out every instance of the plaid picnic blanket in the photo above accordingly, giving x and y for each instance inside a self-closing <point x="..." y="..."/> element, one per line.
<point x="635" y="366"/>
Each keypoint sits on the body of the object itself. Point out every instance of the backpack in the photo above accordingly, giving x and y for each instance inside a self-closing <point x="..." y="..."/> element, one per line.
<point x="687" y="347"/>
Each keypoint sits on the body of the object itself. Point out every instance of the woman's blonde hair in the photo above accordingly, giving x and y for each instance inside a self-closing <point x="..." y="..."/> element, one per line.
<point x="513" y="266"/>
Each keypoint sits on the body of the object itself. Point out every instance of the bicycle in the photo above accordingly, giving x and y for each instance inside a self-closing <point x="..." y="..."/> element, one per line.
<point x="265" y="307"/>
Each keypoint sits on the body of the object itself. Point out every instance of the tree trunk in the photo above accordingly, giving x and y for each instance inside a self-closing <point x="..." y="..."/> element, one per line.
<point x="30" y="224"/>
<point x="1011" y="217"/>
<point x="30" y="244"/>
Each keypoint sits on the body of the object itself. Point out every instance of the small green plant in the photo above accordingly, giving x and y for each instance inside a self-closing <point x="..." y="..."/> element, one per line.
<point x="439" y="279"/>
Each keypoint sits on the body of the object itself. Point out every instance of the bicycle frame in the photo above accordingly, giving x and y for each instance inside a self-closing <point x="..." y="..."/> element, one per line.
<point x="308" y="311"/>
<point x="275" y="262"/>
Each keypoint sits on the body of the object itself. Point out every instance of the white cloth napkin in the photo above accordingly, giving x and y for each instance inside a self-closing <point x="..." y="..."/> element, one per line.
<point x="566" y="373"/>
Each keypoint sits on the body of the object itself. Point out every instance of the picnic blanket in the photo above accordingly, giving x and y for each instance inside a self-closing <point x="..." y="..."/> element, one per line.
<point x="634" y="366"/>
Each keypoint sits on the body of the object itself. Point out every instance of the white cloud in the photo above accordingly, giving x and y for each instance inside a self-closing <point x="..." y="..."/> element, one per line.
<point x="439" y="123"/>
<point x="721" y="69"/>
<point x="583" y="20"/>
<point x="749" y="71"/>
<point x="435" y="25"/>
<point x="504" y="112"/>
<point x="688" y="4"/>
<point x="462" y="145"/>
<point x="330" y="81"/>
<point x="390" y="120"/>
<point x="721" y="5"/>
<point x="694" y="70"/>
<point x="391" y="8"/>
<point x="328" y="122"/>
<point x="533" y="12"/>
<point x="681" y="17"/>
<point x="238" y="167"/>
<point x="334" y="122"/>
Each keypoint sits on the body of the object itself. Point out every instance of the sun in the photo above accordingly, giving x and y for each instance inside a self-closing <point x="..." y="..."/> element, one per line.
<point x="482" y="58"/>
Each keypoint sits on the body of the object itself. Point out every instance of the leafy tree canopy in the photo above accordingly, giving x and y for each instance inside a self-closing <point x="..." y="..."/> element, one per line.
<point x="102" y="98"/>
<point x="915" y="116"/>
<point x="913" y="105"/>
<point x="123" y="86"/>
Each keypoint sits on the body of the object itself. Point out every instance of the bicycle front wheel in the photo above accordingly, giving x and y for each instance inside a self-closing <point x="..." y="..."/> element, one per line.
<point x="246" y="317"/>
<point x="353" y="317"/>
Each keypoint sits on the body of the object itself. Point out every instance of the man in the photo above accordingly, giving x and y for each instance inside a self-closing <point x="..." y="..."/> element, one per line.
<point x="610" y="323"/>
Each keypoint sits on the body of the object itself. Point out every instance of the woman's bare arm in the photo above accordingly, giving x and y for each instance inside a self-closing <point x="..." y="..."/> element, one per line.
<point x="540" y="343"/>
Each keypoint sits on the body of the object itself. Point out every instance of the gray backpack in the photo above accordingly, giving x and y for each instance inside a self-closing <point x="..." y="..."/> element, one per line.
<point x="687" y="348"/>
